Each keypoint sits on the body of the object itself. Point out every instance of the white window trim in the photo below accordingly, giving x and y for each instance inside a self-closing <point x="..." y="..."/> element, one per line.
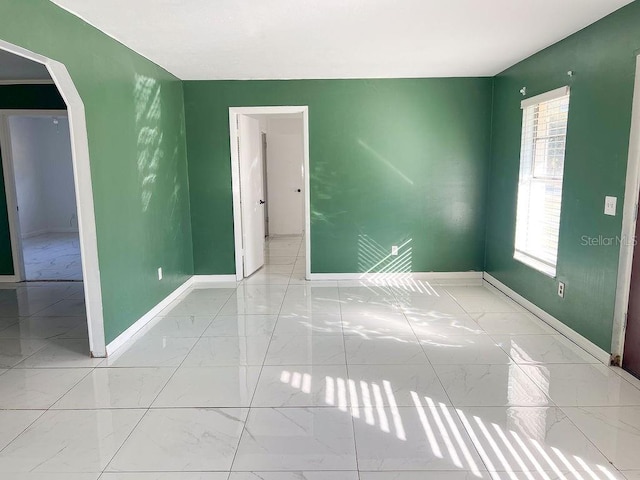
<point x="518" y="255"/>
<point x="542" y="267"/>
<point x="545" y="97"/>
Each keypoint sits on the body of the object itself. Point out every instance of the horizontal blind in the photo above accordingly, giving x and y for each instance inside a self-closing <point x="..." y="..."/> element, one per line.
<point x="544" y="132"/>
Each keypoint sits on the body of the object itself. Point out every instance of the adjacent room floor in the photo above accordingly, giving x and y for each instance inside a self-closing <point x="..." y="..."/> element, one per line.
<point x="280" y="379"/>
<point x="52" y="256"/>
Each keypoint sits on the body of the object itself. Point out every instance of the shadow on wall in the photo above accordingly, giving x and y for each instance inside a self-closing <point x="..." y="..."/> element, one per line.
<point x="148" y="110"/>
<point x="384" y="161"/>
<point x="151" y="148"/>
<point x="377" y="264"/>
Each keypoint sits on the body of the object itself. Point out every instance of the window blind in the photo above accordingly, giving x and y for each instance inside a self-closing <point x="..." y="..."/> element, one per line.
<point x="544" y="133"/>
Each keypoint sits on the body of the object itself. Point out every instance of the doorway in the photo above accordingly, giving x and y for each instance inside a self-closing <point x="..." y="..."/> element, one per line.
<point x="270" y="164"/>
<point x="625" y="346"/>
<point x="88" y="294"/>
<point x="40" y="172"/>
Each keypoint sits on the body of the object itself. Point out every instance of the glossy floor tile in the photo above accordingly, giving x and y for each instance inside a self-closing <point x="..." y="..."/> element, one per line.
<point x="70" y="441"/>
<point x="390" y="385"/>
<point x="490" y="385"/>
<point x="14" y="422"/>
<point x="583" y="385"/>
<point x="209" y="387"/>
<point x="462" y="349"/>
<point x="116" y="388"/>
<point x="178" y="439"/>
<point x="14" y="351"/>
<point x="614" y="430"/>
<point x="302" y="386"/>
<point x="300" y="475"/>
<point x="306" y="350"/>
<point x="37" y="388"/>
<point x="427" y="436"/>
<point x="531" y="439"/>
<point x="277" y="378"/>
<point x="296" y="439"/>
<point x="52" y="256"/>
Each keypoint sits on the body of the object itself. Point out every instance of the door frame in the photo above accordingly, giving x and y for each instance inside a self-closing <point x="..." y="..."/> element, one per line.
<point x="235" y="178"/>
<point x="629" y="221"/>
<point x="10" y="187"/>
<point x="84" y="194"/>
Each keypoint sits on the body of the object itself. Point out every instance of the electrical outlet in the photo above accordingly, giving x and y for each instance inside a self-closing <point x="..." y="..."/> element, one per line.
<point x="610" y="206"/>
<point x="561" y="289"/>
<point x="394" y="250"/>
<point x="160" y="273"/>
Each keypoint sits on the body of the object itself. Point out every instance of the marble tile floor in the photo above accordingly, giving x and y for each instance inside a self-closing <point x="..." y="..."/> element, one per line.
<point x="52" y="256"/>
<point x="349" y="380"/>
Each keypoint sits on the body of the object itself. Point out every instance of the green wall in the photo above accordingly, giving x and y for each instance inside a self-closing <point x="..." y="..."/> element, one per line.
<point x="602" y="56"/>
<point x="136" y="130"/>
<point x="390" y="161"/>
<point x="24" y="97"/>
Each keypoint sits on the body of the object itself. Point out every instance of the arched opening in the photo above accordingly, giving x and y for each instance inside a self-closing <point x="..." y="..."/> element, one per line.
<point x="83" y="193"/>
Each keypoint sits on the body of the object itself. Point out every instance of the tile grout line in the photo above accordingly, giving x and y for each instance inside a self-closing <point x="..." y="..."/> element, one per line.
<point x="454" y="408"/>
<point x="350" y="405"/>
<point x="244" y="426"/>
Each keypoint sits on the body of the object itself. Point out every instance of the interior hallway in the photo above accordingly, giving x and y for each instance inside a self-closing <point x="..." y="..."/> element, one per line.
<point x="342" y="380"/>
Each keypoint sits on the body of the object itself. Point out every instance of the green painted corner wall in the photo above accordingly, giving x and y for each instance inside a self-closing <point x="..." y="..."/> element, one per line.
<point x="386" y="159"/>
<point x="136" y="130"/>
<point x="603" y="58"/>
<point x="21" y="97"/>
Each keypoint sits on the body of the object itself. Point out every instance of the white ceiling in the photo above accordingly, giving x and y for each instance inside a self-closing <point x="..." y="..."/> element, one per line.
<point x="13" y="67"/>
<point x="278" y="39"/>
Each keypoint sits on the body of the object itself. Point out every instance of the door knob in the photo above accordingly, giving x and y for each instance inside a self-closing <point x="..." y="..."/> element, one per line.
<point x="262" y="202"/>
<point x="298" y="190"/>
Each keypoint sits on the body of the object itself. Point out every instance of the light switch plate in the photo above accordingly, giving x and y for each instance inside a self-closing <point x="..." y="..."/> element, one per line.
<point x="610" y="206"/>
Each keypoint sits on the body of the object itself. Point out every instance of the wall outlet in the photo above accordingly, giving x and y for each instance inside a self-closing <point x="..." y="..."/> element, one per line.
<point x="394" y="250"/>
<point x="160" y="273"/>
<point x="561" y="289"/>
<point x="610" y="206"/>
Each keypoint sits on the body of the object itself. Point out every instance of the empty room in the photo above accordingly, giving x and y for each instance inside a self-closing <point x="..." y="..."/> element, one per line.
<point x="299" y="240"/>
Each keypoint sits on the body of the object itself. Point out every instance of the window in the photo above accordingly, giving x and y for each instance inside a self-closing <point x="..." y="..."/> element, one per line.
<point x="544" y="133"/>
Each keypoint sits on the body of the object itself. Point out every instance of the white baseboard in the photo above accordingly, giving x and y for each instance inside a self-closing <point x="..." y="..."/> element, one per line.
<point x="434" y="277"/>
<point x="8" y="279"/>
<point x="147" y="317"/>
<point x="198" y="279"/>
<point x="553" y="322"/>
<point x="155" y="311"/>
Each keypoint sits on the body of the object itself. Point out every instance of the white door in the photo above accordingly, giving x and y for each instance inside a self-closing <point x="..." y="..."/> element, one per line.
<point x="285" y="159"/>
<point x="251" y="192"/>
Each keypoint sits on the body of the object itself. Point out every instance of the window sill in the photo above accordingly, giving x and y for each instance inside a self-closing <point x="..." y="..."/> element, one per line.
<point x="541" y="267"/>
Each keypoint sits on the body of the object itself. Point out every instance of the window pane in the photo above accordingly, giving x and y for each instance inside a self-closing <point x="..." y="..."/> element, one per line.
<point x="544" y="130"/>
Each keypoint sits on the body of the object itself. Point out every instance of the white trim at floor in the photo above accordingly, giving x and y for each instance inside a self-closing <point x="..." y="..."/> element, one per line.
<point x="147" y="317"/>
<point x="553" y="322"/>
<point x="202" y="279"/>
<point x="381" y="277"/>
<point x="155" y="311"/>
<point x="447" y="277"/>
